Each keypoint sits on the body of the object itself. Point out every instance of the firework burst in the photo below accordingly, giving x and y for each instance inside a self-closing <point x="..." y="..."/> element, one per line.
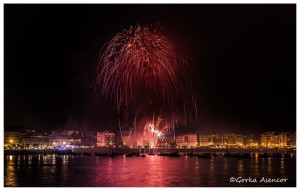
<point x="141" y="70"/>
<point x="142" y="62"/>
<point x="154" y="131"/>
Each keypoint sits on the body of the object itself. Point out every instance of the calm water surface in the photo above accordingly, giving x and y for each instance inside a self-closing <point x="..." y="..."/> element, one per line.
<point x="151" y="171"/>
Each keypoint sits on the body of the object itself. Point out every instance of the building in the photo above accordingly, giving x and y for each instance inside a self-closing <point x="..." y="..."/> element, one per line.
<point x="192" y="139"/>
<point x="35" y="142"/>
<point x="217" y="140"/>
<point x="31" y="139"/>
<point x="59" y="141"/>
<point x="187" y="140"/>
<point x="65" y="138"/>
<point x="282" y="140"/>
<point x="272" y="139"/>
<point x="11" y="137"/>
<point x="206" y="140"/>
<point x="291" y="140"/>
<point x="105" y="139"/>
<point x="250" y="140"/>
<point x="267" y="139"/>
<point x="230" y="139"/>
<point x="240" y="140"/>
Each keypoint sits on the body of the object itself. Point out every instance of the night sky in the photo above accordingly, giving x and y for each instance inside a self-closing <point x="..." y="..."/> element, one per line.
<point x="244" y="57"/>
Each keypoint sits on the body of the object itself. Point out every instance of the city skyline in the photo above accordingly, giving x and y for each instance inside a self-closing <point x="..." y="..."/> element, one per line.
<point x="69" y="139"/>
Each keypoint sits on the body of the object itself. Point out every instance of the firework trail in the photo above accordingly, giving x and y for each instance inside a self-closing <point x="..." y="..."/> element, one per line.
<point x="140" y="69"/>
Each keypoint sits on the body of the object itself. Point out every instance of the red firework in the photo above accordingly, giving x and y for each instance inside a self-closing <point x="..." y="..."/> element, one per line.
<point x="142" y="59"/>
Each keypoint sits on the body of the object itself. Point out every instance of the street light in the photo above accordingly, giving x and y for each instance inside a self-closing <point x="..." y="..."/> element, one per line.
<point x="11" y="141"/>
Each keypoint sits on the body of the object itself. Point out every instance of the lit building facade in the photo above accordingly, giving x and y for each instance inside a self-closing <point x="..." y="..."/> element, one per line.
<point x="11" y="137"/>
<point x="65" y="138"/>
<point x="217" y="140"/>
<point x="291" y="140"/>
<point x="56" y="141"/>
<point x="187" y="140"/>
<point x="250" y="140"/>
<point x="230" y="139"/>
<point x="271" y="139"/>
<point x="31" y="139"/>
<point x="282" y="140"/>
<point x="105" y="139"/>
<point x="34" y="142"/>
<point x="206" y="140"/>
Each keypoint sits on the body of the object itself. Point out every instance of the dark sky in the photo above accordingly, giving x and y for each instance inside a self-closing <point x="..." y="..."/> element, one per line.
<point x="244" y="56"/>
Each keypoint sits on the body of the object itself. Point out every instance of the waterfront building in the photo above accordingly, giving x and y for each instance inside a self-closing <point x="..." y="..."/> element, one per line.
<point x="11" y="137"/>
<point x="267" y="139"/>
<point x="65" y="138"/>
<point x="250" y="140"/>
<point x="206" y="140"/>
<point x="187" y="140"/>
<point x="192" y="139"/>
<point x="180" y="141"/>
<point x="240" y="140"/>
<point x="217" y="140"/>
<point x="230" y="139"/>
<point x="35" y="142"/>
<point x="105" y="139"/>
<point x="291" y="140"/>
<point x="59" y="141"/>
<point x="282" y="140"/>
<point x="272" y="139"/>
<point x="30" y="138"/>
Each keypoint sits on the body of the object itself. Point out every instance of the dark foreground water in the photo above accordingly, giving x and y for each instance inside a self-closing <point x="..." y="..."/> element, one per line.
<point x="151" y="171"/>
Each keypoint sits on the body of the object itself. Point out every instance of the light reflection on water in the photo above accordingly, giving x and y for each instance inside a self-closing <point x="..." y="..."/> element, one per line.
<point x="151" y="171"/>
<point x="10" y="177"/>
